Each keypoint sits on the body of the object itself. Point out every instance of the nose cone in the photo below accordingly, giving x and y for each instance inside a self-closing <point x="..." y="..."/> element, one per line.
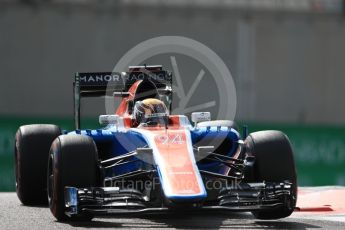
<point x="178" y="173"/>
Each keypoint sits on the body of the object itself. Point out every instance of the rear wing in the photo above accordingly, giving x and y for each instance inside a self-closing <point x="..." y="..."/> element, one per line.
<point x="116" y="83"/>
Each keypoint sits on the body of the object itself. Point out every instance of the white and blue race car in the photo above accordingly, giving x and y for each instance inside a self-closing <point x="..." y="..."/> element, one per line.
<point x="145" y="160"/>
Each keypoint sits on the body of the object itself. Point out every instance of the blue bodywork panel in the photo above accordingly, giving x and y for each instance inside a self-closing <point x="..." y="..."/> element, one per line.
<point x="112" y="142"/>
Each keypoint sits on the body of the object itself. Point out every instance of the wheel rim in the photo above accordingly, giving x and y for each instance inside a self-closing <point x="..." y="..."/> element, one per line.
<point x="50" y="179"/>
<point x="16" y="164"/>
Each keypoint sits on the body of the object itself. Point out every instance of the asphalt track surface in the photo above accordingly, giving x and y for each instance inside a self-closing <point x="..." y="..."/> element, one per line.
<point x="13" y="215"/>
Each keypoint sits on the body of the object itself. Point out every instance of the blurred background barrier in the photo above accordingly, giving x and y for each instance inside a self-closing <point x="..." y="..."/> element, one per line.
<point x="319" y="150"/>
<point x="286" y="58"/>
<point x="287" y="65"/>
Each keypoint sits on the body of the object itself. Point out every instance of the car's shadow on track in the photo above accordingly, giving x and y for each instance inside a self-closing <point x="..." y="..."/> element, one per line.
<point x="194" y="221"/>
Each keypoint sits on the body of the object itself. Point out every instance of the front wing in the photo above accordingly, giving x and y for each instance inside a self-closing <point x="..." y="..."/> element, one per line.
<point x="105" y="201"/>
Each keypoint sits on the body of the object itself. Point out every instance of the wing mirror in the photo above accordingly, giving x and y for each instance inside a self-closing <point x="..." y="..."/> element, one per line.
<point x="200" y="116"/>
<point x="145" y="154"/>
<point x="203" y="151"/>
<point x="144" y="151"/>
<point x="108" y="119"/>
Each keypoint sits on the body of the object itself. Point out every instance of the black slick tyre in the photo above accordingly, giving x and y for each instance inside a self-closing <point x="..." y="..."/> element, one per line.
<point x="73" y="161"/>
<point x="274" y="162"/>
<point x="32" y="144"/>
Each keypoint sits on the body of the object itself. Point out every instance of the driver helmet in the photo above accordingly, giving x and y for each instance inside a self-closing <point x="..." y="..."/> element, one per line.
<point x="151" y="112"/>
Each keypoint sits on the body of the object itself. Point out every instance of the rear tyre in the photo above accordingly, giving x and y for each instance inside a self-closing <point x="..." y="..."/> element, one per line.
<point x="274" y="162"/>
<point x="73" y="161"/>
<point x="32" y="144"/>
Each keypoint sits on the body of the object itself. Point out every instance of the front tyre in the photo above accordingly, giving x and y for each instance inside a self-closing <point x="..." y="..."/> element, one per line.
<point x="274" y="162"/>
<point x="73" y="161"/>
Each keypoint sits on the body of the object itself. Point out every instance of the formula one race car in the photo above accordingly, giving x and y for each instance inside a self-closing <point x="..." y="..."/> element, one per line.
<point x="145" y="160"/>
